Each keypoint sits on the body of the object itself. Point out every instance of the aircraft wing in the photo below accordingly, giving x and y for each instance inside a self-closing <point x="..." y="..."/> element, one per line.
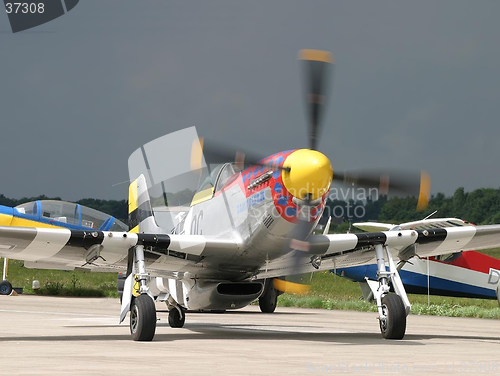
<point x="431" y="242"/>
<point x="345" y="250"/>
<point x="101" y="250"/>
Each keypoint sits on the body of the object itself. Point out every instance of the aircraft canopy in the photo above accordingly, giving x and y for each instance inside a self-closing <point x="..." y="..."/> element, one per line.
<point x="71" y="214"/>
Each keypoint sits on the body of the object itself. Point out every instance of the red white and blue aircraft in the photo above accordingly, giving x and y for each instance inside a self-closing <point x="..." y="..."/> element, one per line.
<point x="467" y="274"/>
<point x="247" y="229"/>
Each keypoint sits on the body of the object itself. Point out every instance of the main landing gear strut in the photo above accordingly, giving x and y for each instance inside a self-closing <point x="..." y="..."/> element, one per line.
<point x="392" y="308"/>
<point x="142" y="308"/>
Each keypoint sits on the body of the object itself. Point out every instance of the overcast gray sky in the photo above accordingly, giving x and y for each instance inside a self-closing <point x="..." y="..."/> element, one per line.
<point x="416" y="86"/>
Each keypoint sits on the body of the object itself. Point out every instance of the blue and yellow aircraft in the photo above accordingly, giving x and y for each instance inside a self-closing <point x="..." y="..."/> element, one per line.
<point x="54" y="214"/>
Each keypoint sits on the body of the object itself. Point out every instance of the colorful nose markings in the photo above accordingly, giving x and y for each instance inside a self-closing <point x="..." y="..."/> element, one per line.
<point x="274" y="160"/>
<point x="283" y="200"/>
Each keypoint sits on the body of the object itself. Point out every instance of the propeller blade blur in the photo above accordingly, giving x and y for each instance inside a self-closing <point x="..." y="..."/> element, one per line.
<point x="297" y="282"/>
<point x="216" y="153"/>
<point x="317" y="67"/>
<point x="291" y="287"/>
<point x="401" y="183"/>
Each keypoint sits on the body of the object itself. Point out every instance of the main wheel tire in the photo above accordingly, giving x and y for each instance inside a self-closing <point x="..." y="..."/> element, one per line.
<point x="394" y="325"/>
<point x="175" y="319"/>
<point x="269" y="299"/>
<point x="5" y="288"/>
<point x="143" y="318"/>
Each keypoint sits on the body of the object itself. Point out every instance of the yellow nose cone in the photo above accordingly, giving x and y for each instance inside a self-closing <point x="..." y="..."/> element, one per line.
<point x="310" y="173"/>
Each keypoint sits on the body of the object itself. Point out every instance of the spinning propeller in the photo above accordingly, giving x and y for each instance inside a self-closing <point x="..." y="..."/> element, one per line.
<point x="307" y="173"/>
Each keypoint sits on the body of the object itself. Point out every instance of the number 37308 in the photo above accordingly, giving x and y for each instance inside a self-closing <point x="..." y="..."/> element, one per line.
<point x="25" y="7"/>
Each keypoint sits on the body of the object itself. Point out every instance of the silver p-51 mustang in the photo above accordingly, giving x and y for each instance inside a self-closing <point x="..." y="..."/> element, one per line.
<point x="247" y="228"/>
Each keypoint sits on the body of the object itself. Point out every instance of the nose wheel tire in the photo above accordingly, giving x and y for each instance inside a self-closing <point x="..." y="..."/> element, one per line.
<point x="5" y="288"/>
<point x="393" y="325"/>
<point x="175" y="318"/>
<point x="143" y="318"/>
<point x="269" y="299"/>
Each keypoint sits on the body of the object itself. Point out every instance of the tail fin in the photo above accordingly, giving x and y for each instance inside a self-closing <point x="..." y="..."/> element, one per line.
<point x="140" y="213"/>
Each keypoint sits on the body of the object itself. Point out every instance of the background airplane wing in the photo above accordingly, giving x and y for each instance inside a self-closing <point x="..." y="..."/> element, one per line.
<point x="373" y="226"/>
<point x="103" y="250"/>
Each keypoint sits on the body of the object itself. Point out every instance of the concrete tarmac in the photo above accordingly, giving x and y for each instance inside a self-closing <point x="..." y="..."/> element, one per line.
<point x="81" y="336"/>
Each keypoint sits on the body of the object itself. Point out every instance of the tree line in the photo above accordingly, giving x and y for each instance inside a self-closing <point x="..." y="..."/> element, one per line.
<point x="480" y="206"/>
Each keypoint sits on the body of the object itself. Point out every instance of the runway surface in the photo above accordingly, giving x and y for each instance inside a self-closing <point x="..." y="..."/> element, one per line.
<point x="80" y="336"/>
